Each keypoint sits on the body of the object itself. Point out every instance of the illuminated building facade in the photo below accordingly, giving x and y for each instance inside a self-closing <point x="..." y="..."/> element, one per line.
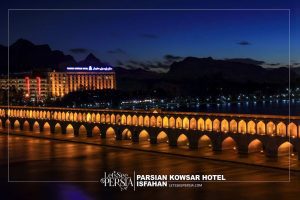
<point x="81" y="78"/>
<point x="34" y="88"/>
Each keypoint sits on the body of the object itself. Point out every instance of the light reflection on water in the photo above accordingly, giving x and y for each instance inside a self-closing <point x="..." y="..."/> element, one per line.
<point x="40" y="159"/>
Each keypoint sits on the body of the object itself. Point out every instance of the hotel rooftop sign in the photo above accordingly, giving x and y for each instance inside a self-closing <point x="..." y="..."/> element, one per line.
<point x="90" y="68"/>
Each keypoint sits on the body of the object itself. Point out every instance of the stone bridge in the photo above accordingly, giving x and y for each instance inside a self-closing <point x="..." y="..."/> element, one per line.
<point x="245" y="133"/>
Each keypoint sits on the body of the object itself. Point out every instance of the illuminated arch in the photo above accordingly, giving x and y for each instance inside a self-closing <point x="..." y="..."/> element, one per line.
<point x="63" y="116"/>
<point x="48" y="115"/>
<point x="110" y="133"/>
<point x="118" y="119"/>
<point x="67" y="116"/>
<point x="216" y="125"/>
<point x="153" y="121"/>
<point x="93" y="117"/>
<point x="255" y="146"/>
<point x="46" y="128"/>
<point x="17" y="125"/>
<point x="98" y="118"/>
<point x="55" y="115"/>
<point x="79" y="117"/>
<point x="134" y="120"/>
<point x="26" y="126"/>
<point x="128" y="120"/>
<point x="126" y="134"/>
<point x="201" y="124"/>
<point x="228" y="143"/>
<point x="271" y="128"/>
<point x="112" y="119"/>
<point x="159" y="121"/>
<point x="57" y="128"/>
<point x="292" y="130"/>
<point x="261" y="128"/>
<point x="204" y="141"/>
<point x="281" y="129"/>
<point x="208" y="125"/>
<point x="59" y="115"/>
<point x="162" y="137"/>
<point x="233" y="126"/>
<point x="82" y="131"/>
<point x="96" y="131"/>
<point x="172" y="122"/>
<point x="107" y="118"/>
<point x="146" y="121"/>
<point x="70" y="130"/>
<point x="242" y="126"/>
<point x="224" y="126"/>
<point x="165" y="122"/>
<point x="36" y="127"/>
<point x="186" y="123"/>
<point x="251" y="127"/>
<point x="182" y="140"/>
<point x="193" y="124"/>
<point x="144" y="136"/>
<point x="102" y="120"/>
<point x="178" y="122"/>
<point x="285" y="148"/>
<point x="141" y="121"/>
<point x="84" y="118"/>
<point x="89" y="117"/>
<point x="123" y="120"/>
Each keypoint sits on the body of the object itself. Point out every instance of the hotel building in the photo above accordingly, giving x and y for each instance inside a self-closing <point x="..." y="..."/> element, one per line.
<point x="81" y="78"/>
<point x="35" y="88"/>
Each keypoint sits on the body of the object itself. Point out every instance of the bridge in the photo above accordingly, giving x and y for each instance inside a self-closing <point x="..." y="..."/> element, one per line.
<point x="245" y="133"/>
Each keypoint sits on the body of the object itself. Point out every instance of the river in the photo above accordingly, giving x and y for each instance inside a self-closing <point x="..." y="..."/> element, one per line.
<point x="34" y="159"/>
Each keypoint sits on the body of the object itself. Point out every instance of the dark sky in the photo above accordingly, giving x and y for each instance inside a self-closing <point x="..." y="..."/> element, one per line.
<point x="147" y="36"/>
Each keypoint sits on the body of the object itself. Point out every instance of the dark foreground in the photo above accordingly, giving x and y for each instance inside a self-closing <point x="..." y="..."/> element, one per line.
<point x="33" y="159"/>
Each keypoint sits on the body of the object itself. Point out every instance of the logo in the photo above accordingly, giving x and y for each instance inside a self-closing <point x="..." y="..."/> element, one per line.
<point x="117" y="179"/>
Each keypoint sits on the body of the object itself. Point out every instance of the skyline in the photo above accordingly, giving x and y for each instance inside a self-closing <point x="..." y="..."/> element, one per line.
<point x="145" y="44"/>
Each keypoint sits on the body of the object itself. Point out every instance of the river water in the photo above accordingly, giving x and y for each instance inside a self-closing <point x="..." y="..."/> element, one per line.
<point x="34" y="159"/>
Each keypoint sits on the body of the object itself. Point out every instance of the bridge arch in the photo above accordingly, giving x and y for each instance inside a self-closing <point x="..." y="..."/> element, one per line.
<point x="146" y="121"/>
<point x="216" y="125"/>
<point x="286" y="148"/>
<point x="255" y="146"/>
<point x="153" y="121"/>
<point x="172" y="122"/>
<point x="126" y="134"/>
<point x="224" y="126"/>
<point x="36" y="127"/>
<point x="162" y="137"/>
<point x="58" y="128"/>
<point x="70" y="129"/>
<point x="118" y="119"/>
<point x="251" y="127"/>
<point x="144" y="136"/>
<point x="281" y="129"/>
<point x="159" y="121"/>
<point x="242" y="127"/>
<point x="261" y="128"/>
<point x="208" y="124"/>
<point x="134" y="120"/>
<point x="204" y="141"/>
<point x="96" y="131"/>
<point x="128" y="120"/>
<point x="182" y="140"/>
<point x="82" y="131"/>
<point x="98" y="118"/>
<point x="179" y="123"/>
<point x="292" y="130"/>
<point x="200" y="124"/>
<point x="228" y="143"/>
<point x="141" y="120"/>
<point x="110" y="133"/>
<point x="102" y="118"/>
<point x="89" y="117"/>
<point x="186" y="123"/>
<point x="165" y="122"/>
<point x="123" y="120"/>
<point x="233" y="126"/>
<point x="107" y="119"/>
<point x="26" y="126"/>
<point x="17" y="125"/>
<point x="112" y="119"/>
<point x="271" y="128"/>
<point x="46" y="128"/>
<point x="193" y="123"/>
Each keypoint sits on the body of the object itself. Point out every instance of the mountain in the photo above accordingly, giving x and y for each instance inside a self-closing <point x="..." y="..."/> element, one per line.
<point x="25" y="56"/>
<point x="193" y="68"/>
<point x="90" y="60"/>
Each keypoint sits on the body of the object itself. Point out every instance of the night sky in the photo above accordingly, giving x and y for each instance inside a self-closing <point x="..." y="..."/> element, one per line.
<point x="147" y="36"/>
